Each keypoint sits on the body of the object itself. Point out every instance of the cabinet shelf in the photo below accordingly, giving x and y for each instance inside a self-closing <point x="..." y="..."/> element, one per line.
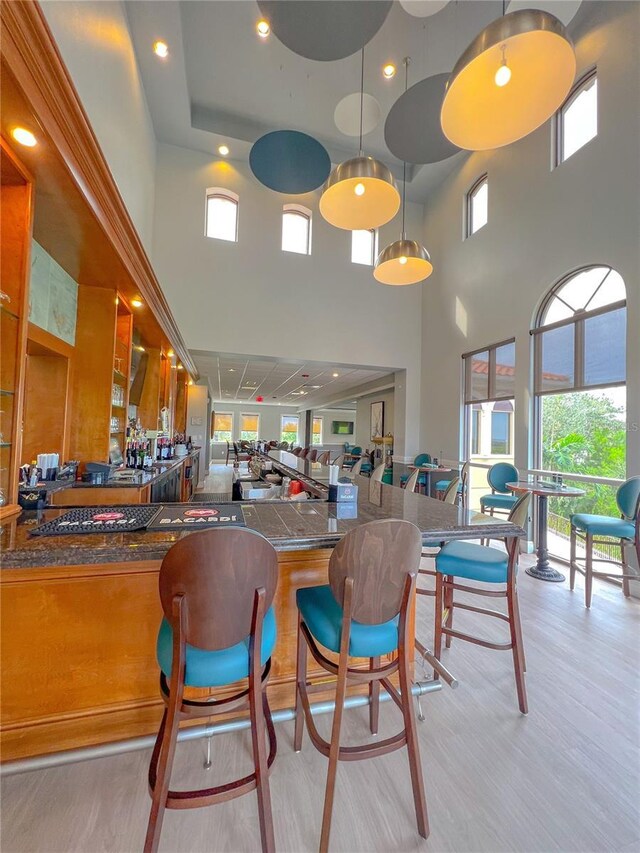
<point x="7" y="393"/>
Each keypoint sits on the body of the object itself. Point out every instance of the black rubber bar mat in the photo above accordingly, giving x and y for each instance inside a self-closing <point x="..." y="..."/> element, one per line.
<point x="98" y="519"/>
<point x="200" y="517"/>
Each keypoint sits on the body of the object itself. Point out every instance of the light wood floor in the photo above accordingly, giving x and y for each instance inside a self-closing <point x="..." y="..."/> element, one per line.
<point x="567" y="777"/>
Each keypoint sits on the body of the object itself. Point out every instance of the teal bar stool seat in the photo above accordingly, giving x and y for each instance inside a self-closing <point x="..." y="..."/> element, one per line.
<point x="216" y="590"/>
<point x="501" y="498"/>
<point x="625" y="531"/>
<point x="364" y="612"/>
<point x="472" y="562"/>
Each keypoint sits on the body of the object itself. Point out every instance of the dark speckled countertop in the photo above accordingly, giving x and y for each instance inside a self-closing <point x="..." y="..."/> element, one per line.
<point x="290" y="526"/>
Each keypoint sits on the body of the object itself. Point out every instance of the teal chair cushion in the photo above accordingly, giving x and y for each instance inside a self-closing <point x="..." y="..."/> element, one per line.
<point x="214" y="669"/>
<point x="498" y="501"/>
<point x="602" y="525"/>
<point x="468" y="560"/>
<point x="365" y="468"/>
<point x="323" y="617"/>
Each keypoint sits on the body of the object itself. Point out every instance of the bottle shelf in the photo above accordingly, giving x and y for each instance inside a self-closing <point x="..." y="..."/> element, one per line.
<point x="7" y="393"/>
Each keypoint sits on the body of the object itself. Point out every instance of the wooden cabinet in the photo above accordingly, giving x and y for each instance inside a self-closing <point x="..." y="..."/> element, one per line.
<point x="16" y="212"/>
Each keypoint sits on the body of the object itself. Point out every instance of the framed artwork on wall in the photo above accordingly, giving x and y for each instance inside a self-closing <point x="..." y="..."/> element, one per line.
<point x="377" y="420"/>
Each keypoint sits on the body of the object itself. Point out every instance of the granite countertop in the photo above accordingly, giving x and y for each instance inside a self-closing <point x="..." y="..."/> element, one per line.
<point x="289" y="525"/>
<point x="137" y="480"/>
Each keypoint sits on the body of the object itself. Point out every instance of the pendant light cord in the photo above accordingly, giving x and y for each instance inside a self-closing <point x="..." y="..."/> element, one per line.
<point x="361" y="99"/>
<point x="407" y="60"/>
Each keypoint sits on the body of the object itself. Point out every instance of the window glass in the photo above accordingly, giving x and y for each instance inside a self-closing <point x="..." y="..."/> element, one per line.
<point x="363" y="247"/>
<point x="479" y="379"/>
<point x="579" y="118"/>
<point x="557" y="359"/>
<point x="222" y="217"/>
<point x="249" y="427"/>
<point x="316" y="437"/>
<point x="605" y="349"/>
<point x="289" y="425"/>
<point x="478" y="206"/>
<point x="222" y="426"/>
<point x="296" y="232"/>
<point x="475" y="430"/>
<point x="500" y="433"/>
<point x="505" y="376"/>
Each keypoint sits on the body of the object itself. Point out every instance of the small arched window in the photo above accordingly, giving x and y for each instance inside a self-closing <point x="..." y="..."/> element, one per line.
<point x="221" y="218"/>
<point x="296" y="229"/>
<point x="363" y="247"/>
<point x="477" y="206"/>
<point x="577" y="119"/>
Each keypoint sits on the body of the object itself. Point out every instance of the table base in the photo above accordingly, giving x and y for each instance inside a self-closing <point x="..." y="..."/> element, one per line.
<point x="545" y="574"/>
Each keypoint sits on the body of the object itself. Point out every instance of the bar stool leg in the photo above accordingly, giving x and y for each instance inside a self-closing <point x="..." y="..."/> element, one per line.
<point x="625" y="569"/>
<point x="572" y="558"/>
<point x="437" y="635"/>
<point x="334" y="752"/>
<point x="588" y="568"/>
<point x="448" y="605"/>
<point x="169" y="734"/>
<point x="301" y="678"/>
<point x="258" y="734"/>
<point x="413" y="750"/>
<point x="516" y="645"/>
<point x="374" y="699"/>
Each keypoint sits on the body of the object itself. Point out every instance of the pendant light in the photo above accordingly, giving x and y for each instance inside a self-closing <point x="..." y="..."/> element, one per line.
<point x="360" y="194"/>
<point x="513" y="77"/>
<point x="403" y="261"/>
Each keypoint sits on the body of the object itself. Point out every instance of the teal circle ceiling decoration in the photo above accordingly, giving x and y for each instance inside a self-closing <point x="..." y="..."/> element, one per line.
<point x="288" y="161"/>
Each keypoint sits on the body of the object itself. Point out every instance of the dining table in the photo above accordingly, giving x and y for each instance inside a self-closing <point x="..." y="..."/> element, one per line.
<point x="542" y="491"/>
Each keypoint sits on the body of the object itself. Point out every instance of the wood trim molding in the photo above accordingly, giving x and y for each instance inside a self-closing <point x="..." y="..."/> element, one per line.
<point x="32" y="54"/>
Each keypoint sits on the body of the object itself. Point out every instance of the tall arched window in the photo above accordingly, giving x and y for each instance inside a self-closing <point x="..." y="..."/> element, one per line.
<point x="221" y="216"/>
<point x="477" y="206"/>
<point x="577" y="119"/>
<point x="580" y="374"/>
<point x="296" y="229"/>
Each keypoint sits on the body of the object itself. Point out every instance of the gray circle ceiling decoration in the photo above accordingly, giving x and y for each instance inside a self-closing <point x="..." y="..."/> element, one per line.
<point x="412" y="130"/>
<point x="347" y="114"/>
<point x="288" y="161"/>
<point x="423" y="8"/>
<point x="325" y="30"/>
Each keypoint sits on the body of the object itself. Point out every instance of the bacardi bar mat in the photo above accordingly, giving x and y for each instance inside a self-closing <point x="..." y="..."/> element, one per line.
<point x="202" y="517"/>
<point x="98" y="519"/>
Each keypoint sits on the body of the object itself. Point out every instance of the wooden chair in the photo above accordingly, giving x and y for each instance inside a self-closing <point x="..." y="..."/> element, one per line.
<point x="324" y="458"/>
<point x="216" y="589"/>
<point x="378" y="473"/>
<point x="297" y="451"/>
<point x="448" y="497"/>
<point x="411" y="483"/>
<point x="625" y="530"/>
<point x="304" y="453"/>
<point x="339" y="460"/>
<point x="312" y="455"/>
<point x="442" y="485"/>
<point x="354" y="471"/>
<point x="364" y="612"/>
<point x="489" y="566"/>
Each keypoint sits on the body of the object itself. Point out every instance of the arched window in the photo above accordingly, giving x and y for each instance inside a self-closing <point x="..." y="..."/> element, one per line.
<point x="296" y="229"/>
<point x="221" y="217"/>
<point x="577" y="119"/>
<point x="363" y="247"/>
<point x="477" y="206"/>
<point x="580" y="374"/>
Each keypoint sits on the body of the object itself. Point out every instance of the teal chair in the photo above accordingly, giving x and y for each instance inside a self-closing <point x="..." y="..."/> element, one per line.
<point x="216" y="590"/>
<point x="624" y="529"/>
<point x="363" y="612"/>
<point x="443" y="485"/>
<point x="355" y="451"/>
<point x="471" y="562"/>
<point x="501" y="500"/>
<point x="421" y="459"/>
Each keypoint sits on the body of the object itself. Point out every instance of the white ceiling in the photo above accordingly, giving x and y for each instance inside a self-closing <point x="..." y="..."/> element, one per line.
<point x="238" y="378"/>
<point x="221" y="83"/>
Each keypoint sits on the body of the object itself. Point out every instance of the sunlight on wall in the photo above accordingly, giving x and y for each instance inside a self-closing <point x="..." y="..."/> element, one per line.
<point x="461" y="316"/>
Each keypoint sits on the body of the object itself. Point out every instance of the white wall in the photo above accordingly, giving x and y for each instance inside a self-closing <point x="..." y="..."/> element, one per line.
<point x="198" y="411"/>
<point x="94" y="40"/>
<point x="269" y="427"/>
<point x="252" y="298"/>
<point x="331" y="442"/>
<point x="363" y="417"/>
<point x="543" y="224"/>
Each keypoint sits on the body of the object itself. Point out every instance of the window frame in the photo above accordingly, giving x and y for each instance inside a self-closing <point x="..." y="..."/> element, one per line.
<point x="374" y="247"/>
<point x="558" y="121"/>
<point x="257" y="431"/>
<point x="578" y="320"/>
<point x="313" y="433"/>
<point x="491" y="379"/>
<point x="304" y="213"/>
<point x="227" y="195"/>
<point x="468" y="207"/>
<point x="290" y="417"/>
<point x="213" y="431"/>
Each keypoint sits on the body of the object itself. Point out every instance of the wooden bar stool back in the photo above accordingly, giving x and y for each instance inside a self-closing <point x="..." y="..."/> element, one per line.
<point x="364" y="612"/>
<point x="487" y="565"/>
<point x="216" y="589"/>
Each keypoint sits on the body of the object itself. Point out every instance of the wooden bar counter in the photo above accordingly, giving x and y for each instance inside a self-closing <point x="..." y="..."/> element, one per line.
<point x="80" y="613"/>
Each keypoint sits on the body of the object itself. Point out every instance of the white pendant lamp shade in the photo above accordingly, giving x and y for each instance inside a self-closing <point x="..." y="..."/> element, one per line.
<point x="487" y="107"/>
<point x="360" y="194"/>
<point x="403" y="262"/>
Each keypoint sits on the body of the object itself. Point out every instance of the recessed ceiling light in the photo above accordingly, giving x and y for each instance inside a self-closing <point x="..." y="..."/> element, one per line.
<point x="335" y="375"/>
<point x="232" y="370"/>
<point x="161" y="49"/>
<point x="389" y="70"/>
<point x="24" y="137"/>
<point x="262" y="28"/>
<point x="223" y="150"/>
<point x="137" y="303"/>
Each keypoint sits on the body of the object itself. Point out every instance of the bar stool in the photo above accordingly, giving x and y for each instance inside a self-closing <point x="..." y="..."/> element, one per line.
<point x="363" y="612"/>
<point x="354" y="471"/>
<point x="312" y="455"/>
<point x="625" y="529"/>
<point x="449" y="497"/>
<point x="486" y="565"/>
<point x="443" y="485"/>
<point x="324" y="457"/>
<point x="216" y="589"/>
<point x="378" y="473"/>
<point x="411" y="483"/>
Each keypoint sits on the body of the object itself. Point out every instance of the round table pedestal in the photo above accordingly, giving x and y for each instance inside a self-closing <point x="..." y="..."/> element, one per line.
<point x="543" y="570"/>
